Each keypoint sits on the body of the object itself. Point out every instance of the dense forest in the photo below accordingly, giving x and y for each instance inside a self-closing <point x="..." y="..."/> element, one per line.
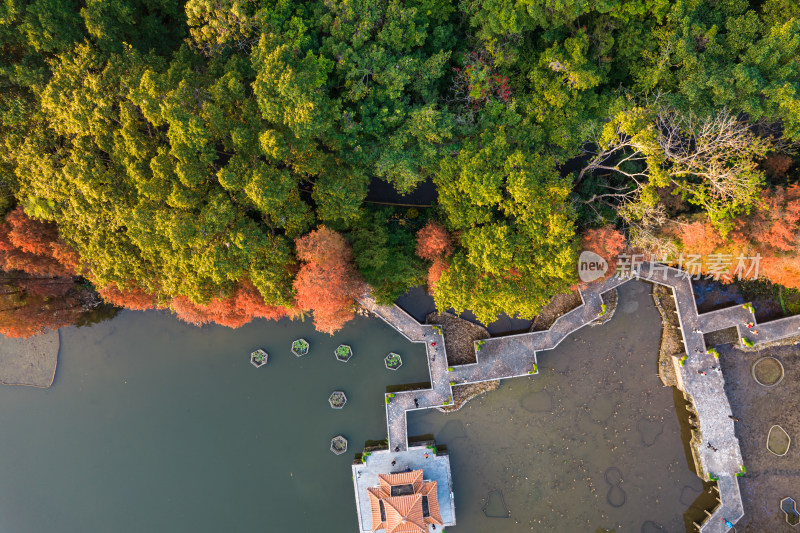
<point x="214" y="157"/>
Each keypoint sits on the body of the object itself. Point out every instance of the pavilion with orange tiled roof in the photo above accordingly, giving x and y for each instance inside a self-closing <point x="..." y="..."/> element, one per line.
<point x="404" y="503"/>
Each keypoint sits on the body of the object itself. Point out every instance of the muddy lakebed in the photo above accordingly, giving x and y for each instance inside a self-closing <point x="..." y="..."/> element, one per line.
<point x="591" y="444"/>
<point x="155" y="425"/>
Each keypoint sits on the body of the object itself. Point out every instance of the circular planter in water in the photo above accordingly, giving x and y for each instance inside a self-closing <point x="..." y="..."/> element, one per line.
<point x="344" y="353"/>
<point x="338" y="445"/>
<point x="778" y="441"/>
<point x="393" y="361"/>
<point x="259" y="358"/>
<point x="337" y="399"/>
<point x="300" y="347"/>
<point x="767" y="371"/>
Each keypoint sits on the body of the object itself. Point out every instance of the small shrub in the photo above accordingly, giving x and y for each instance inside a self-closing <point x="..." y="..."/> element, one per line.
<point x="747" y="342"/>
<point x="393" y="361"/>
<point x="450" y="368"/>
<point x="343" y="353"/>
<point x="300" y="347"/>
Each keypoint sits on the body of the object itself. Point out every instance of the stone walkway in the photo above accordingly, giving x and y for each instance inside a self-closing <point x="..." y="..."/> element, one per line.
<point x="699" y="376"/>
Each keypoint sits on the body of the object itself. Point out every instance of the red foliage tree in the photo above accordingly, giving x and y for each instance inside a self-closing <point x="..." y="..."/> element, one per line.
<point x="773" y="231"/>
<point x="327" y="282"/>
<point x="37" y="287"/>
<point x="131" y="297"/>
<point x="34" y="247"/>
<point x="433" y="241"/>
<point x="775" y="226"/>
<point x="233" y="311"/>
<point x="700" y="238"/>
<point x="435" y="272"/>
<point x="607" y="242"/>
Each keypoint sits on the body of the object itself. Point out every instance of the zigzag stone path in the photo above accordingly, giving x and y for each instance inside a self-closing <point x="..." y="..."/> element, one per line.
<point x="515" y="355"/>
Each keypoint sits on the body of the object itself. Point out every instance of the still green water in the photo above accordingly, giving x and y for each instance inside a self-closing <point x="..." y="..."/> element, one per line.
<point x="153" y="425"/>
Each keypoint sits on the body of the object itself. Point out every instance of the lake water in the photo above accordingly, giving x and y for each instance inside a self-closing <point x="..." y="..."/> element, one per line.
<point x="154" y="425"/>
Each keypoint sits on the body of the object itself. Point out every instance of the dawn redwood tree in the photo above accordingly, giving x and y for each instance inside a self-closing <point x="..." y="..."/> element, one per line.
<point x="233" y="311"/>
<point x="699" y="237"/>
<point x="38" y="290"/>
<point x="433" y="241"/>
<point x="606" y="242"/>
<point x="438" y="266"/>
<point x="773" y="231"/>
<point x="776" y="225"/>
<point x="130" y="297"/>
<point x="327" y="282"/>
<point x="34" y="247"/>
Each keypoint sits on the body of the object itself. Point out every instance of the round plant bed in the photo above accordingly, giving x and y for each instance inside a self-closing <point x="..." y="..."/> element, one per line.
<point x="338" y="445"/>
<point x="259" y="358"/>
<point x="300" y="347"/>
<point x="767" y="371"/>
<point x="338" y="399"/>
<point x="343" y="353"/>
<point x="778" y="441"/>
<point x="393" y="361"/>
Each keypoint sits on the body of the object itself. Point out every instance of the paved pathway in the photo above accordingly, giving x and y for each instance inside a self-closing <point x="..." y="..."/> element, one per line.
<point x="699" y="376"/>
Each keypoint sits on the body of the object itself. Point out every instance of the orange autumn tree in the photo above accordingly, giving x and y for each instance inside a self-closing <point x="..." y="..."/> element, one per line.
<point x="34" y="247"/>
<point x="433" y="241"/>
<point x="130" y="297"/>
<point x="771" y="231"/>
<point x="607" y="242"/>
<point x="699" y="237"/>
<point x="38" y="289"/>
<point x="434" y="244"/>
<point x="327" y="282"/>
<point x="233" y="311"/>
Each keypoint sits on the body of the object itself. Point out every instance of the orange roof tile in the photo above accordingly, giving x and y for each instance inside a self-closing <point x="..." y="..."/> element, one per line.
<point x="402" y="478"/>
<point x="404" y="514"/>
<point x="429" y="490"/>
